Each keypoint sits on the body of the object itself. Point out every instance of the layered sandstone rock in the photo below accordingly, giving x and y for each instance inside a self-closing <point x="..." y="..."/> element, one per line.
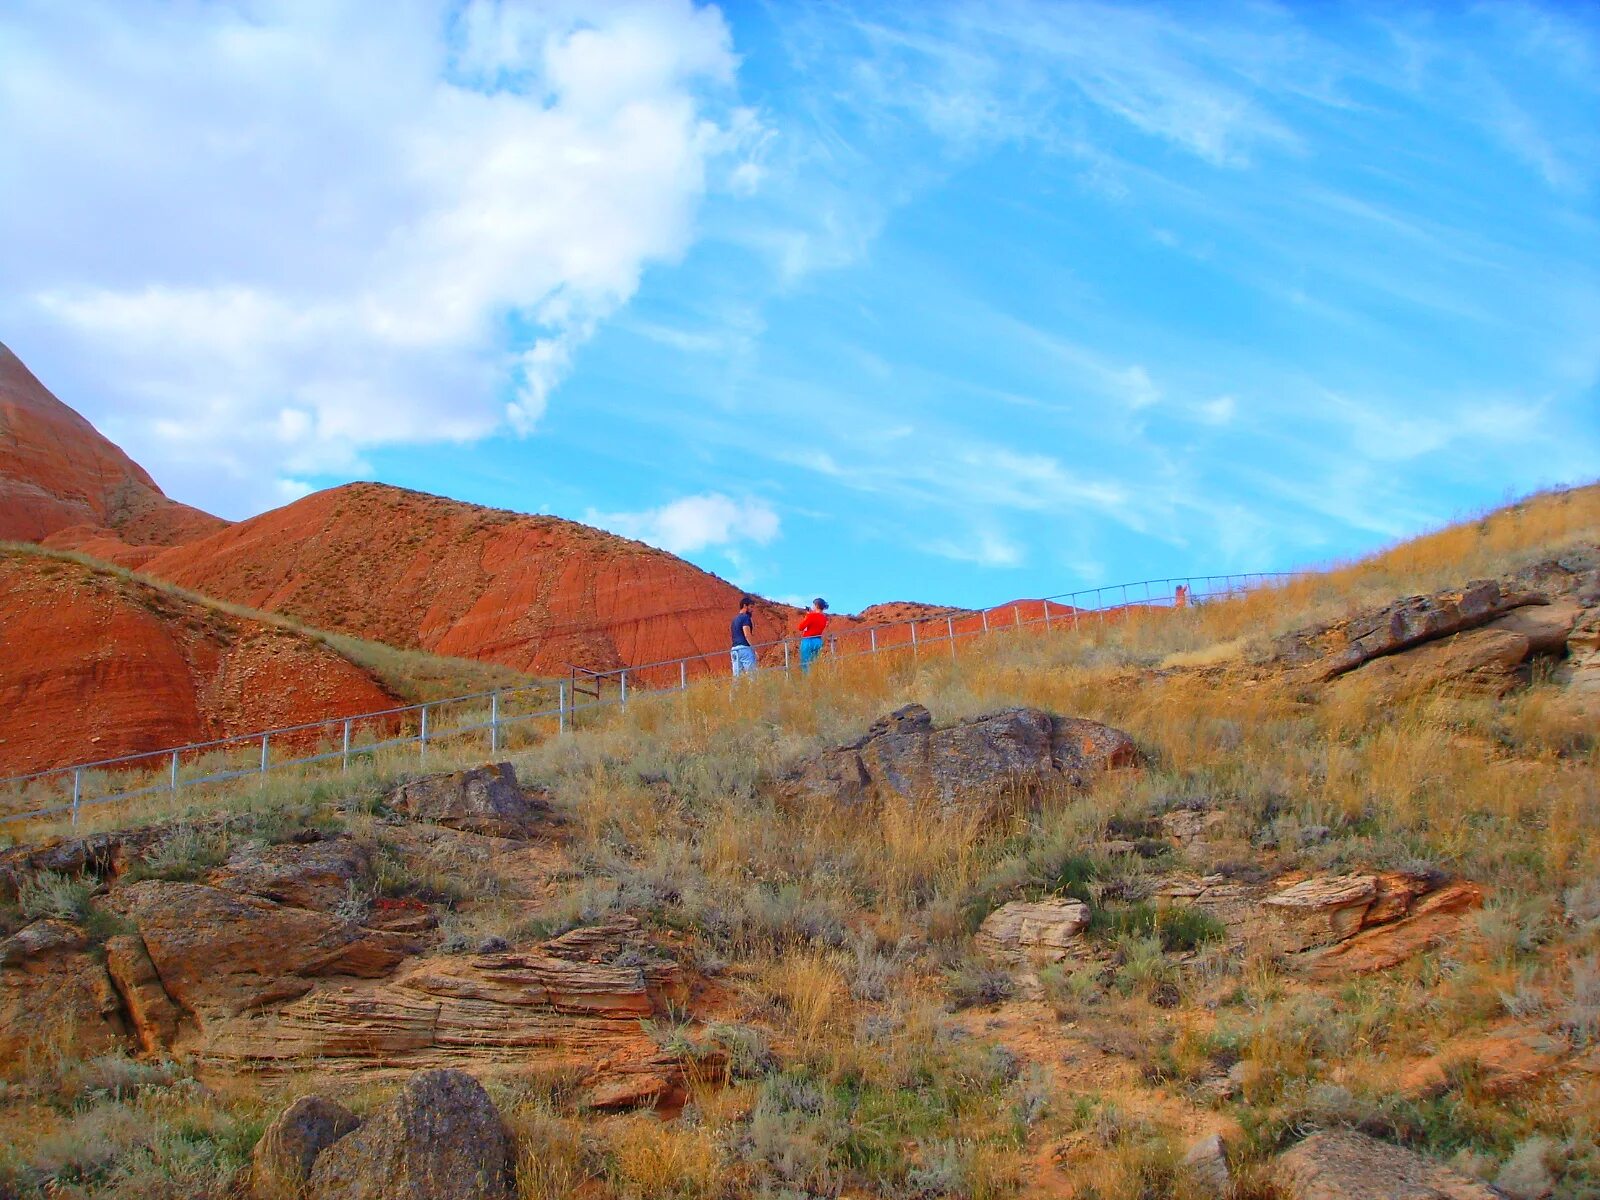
<point x="220" y="955"/>
<point x="973" y="761"/>
<point x="1046" y="929"/>
<point x="55" y="996"/>
<point x="1331" y="926"/>
<point x="98" y="666"/>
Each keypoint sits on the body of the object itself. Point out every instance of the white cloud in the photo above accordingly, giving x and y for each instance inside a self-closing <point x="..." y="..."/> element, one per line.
<point x="1217" y="412"/>
<point x="693" y="523"/>
<point x="986" y="549"/>
<point x="278" y="236"/>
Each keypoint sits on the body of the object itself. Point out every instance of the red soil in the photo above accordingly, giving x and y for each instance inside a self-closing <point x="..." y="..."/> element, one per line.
<point x="532" y="592"/>
<point x="57" y="472"/>
<point x="97" y="666"/>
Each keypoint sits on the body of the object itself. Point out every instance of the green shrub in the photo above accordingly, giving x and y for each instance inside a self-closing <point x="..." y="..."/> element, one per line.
<point x="1179" y="928"/>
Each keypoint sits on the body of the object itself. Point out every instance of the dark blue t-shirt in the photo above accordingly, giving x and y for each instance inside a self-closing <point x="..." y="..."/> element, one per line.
<point x="741" y="629"/>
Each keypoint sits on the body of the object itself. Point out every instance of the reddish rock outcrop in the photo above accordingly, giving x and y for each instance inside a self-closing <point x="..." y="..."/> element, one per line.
<point x="57" y="472"/>
<point x="55" y="995"/>
<point x="98" y="665"/>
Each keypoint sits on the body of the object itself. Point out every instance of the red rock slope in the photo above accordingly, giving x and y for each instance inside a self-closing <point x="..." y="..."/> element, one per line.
<point x="97" y="665"/>
<point x="58" y="476"/>
<point x="535" y="593"/>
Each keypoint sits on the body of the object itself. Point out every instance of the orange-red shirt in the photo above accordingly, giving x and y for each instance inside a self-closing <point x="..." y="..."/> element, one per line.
<point x="812" y="624"/>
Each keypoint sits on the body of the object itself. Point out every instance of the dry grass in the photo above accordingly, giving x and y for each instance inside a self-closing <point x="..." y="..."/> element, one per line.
<point x="841" y="931"/>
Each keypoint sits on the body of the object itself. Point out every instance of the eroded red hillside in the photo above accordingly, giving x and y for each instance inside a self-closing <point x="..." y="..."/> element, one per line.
<point x="535" y="593"/>
<point x="58" y="474"/>
<point x="98" y="665"/>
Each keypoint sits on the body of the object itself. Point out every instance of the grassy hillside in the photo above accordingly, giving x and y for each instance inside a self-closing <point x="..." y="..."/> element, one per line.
<point x="875" y="1051"/>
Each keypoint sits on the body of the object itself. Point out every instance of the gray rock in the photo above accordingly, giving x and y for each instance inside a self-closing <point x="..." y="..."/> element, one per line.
<point x="315" y="875"/>
<point x="439" y="1139"/>
<point x="972" y="761"/>
<point x="281" y="1163"/>
<point x="1206" y="1164"/>
<point x="1345" y="1165"/>
<point x="486" y="800"/>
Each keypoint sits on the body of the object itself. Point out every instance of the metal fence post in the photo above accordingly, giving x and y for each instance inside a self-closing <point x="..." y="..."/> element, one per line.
<point x="344" y="763"/>
<point x="622" y="694"/>
<point x="1016" y="612"/>
<point x="683" y="675"/>
<point x="1047" y="614"/>
<point x="494" y="723"/>
<point x="913" y="638"/>
<point x="561" y="707"/>
<point x="172" y="777"/>
<point x="950" y="632"/>
<point x="77" y="793"/>
<point x="872" y="636"/>
<point x="422" y="737"/>
<point x="264" y="738"/>
<point x="785" y="654"/>
<point x="985" y="615"/>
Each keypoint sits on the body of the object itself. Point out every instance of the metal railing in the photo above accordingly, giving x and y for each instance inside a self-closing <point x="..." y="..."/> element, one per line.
<point x="504" y="712"/>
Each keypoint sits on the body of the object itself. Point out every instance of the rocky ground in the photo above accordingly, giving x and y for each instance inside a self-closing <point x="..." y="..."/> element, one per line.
<point x="1317" y="919"/>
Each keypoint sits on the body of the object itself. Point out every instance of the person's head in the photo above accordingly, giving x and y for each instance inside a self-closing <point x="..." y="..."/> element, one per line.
<point x="746" y="603"/>
<point x="819" y="605"/>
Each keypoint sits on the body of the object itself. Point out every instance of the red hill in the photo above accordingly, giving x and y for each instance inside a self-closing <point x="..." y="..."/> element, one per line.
<point x="532" y="592"/>
<point x="59" y="476"/>
<point x="98" y="665"/>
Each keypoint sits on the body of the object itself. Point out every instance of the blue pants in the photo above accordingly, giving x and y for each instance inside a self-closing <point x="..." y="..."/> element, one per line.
<point x="810" y="647"/>
<point x="744" y="660"/>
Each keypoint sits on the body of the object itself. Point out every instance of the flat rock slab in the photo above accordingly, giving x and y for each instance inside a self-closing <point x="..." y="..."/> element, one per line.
<point x="1351" y="1166"/>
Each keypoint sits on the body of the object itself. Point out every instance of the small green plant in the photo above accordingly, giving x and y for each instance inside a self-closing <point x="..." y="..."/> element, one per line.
<point x="1179" y="928"/>
<point x="185" y="854"/>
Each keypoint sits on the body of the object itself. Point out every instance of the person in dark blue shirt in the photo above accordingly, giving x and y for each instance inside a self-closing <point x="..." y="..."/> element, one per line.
<point x="742" y="652"/>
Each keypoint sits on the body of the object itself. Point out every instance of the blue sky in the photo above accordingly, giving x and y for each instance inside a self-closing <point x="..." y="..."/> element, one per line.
<point x="948" y="301"/>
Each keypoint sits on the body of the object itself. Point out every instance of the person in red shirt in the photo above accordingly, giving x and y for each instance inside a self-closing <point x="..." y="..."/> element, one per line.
<point x="810" y="629"/>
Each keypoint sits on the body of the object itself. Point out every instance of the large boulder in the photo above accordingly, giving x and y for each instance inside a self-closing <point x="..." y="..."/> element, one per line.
<point x="55" y="994"/>
<point x="441" y="1138"/>
<point x="486" y="800"/>
<point x="315" y="874"/>
<point x="903" y="755"/>
<point x="280" y="1165"/>
<point x="1345" y="1165"/>
<point x="1044" y="929"/>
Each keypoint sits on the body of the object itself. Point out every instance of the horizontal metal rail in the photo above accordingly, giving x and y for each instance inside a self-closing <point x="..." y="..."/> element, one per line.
<point x="390" y="725"/>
